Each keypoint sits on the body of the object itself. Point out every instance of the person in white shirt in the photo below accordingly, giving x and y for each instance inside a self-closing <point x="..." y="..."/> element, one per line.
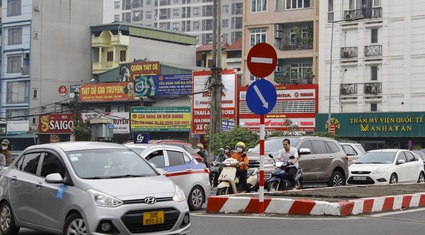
<point x="290" y="155"/>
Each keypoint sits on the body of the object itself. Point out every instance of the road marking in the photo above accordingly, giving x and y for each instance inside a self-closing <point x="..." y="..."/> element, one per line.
<point x="397" y="212"/>
<point x="262" y="60"/>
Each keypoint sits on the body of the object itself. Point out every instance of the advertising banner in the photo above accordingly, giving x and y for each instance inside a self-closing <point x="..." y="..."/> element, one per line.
<point x="121" y="120"/>
<point x="120" y="91"/>
<point x="17" y="127"/>
<point x="143" y="68"/>
<point x="160" y="119"/>
<point x="396" y="124"/>
<point x="163" y="85"/>
<point x="201" y="99"/>
<point x="57" y="123"/>
<point x="296" y="107"/>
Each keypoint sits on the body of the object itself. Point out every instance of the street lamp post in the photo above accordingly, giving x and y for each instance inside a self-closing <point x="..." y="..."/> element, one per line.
<point x="330" y="76"/>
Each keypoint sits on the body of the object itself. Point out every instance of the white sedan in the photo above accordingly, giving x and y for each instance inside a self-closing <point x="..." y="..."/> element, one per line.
<point x="181" y="167"/>
<point x="387" y="166"/>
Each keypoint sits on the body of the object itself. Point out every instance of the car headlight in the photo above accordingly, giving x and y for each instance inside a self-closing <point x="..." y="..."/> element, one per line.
<point x="380" y="171"/>
<point x="104" y="200"/>
<point x="178" y="195"/>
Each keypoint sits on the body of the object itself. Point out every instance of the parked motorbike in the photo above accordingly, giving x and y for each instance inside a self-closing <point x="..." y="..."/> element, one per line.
<point x="278" y="180"/>
<point x="228" y="183"/>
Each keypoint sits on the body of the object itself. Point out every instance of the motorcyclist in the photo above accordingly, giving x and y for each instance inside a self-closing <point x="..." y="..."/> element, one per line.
<point x="200" y="150"/>
<point x="221" y="156"/>
<point x="216" y="169"/>
<point x="289" y="154"/>
<point x="242" y="172"/>
<point x="228" y="151"/>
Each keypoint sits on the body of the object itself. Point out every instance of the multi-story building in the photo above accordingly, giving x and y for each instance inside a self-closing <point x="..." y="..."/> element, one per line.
<point x="194" y="17"/>
<point x="291" y="28"/>
<point x="45" y="46"/>
<point x="371" y="76"/>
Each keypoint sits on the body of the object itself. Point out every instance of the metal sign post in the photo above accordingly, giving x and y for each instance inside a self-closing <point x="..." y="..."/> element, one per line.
<point x="261" y="97"/>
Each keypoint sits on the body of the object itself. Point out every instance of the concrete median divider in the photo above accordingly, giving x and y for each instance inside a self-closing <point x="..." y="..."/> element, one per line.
<point x="249" y="204"/>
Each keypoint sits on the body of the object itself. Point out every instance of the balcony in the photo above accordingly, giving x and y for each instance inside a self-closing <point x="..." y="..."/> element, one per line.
<point x="100" y="67"/>
<point x="282" y="79"/>
<point x="373" y="50"/>
<point x="364" y="13"/>
<point x="349" y="52"/>
<point x="120" y="40"/>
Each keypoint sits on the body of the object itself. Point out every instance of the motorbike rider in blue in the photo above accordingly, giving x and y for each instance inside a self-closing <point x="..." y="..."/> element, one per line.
<point x="289" y="154"/>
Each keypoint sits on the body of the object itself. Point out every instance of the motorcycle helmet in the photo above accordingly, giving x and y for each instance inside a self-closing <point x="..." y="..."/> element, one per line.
<point x="199" y="145"/>
<point x="240" y="147"/>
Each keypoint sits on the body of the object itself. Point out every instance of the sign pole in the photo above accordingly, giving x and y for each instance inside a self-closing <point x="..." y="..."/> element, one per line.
<point x="261" y="196"/>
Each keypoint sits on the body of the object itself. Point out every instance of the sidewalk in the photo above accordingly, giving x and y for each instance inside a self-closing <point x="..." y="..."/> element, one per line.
<point x="340" y="201"/>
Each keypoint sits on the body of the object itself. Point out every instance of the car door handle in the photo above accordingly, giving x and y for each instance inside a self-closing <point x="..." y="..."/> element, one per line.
<point x="14" y="178"/>
<point x="189" y="169"/>
<point x="39" y="185"/>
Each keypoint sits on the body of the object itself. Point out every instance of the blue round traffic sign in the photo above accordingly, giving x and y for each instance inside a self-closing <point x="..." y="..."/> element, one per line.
<point x="261" y="97"/>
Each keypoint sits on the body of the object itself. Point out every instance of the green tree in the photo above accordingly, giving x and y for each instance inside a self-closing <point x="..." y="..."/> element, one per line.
<point x="220" y="140"/>
<point x="82" y="130"/>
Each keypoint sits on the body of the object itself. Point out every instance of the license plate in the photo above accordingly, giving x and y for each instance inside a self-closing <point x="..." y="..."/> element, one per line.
<point x="359" y="178"/>
<point x="154" y="217"/>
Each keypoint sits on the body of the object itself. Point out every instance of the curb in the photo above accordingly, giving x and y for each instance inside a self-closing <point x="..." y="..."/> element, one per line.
<point x="285" y="206"/>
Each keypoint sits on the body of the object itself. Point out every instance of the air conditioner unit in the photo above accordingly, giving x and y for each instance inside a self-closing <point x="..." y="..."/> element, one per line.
<point x="36" y="7"/>
<point x="278" y="69"/>
<point x="278" y="35"/>
<point x="277" y="27"/>
<point x="26" y="56"/>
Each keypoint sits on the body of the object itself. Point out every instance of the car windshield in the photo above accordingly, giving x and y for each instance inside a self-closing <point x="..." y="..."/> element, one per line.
<point x="360" y="147"/>
<point x="274" y="145"/>
<point x="109" y="163"/>
<point x="377" y="158"/>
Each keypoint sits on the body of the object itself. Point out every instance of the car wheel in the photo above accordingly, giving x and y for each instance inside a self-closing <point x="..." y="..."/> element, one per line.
<point x="75" y="225"/>
<point x="222" y="191"/>
<point x="196" y="198"/>
<point x="7" y="221"/>
<point x="421" y="178"/>
<point x="393" y="179"/>
<point x="337" y="179"/>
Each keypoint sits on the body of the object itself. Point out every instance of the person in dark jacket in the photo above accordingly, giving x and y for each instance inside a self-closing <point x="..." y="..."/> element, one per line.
<point x="6" y="152"/>
<point x="201" y="152"/>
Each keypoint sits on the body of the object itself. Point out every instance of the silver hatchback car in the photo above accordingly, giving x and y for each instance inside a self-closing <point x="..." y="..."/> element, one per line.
<point x="89" y="188"/>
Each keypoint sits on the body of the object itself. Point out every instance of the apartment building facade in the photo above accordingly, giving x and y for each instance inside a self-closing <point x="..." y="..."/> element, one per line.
<point x="371" y="76"/>
<point x="194" y="17"/>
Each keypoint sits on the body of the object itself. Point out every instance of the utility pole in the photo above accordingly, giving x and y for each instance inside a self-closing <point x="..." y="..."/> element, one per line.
<point x="216" y="84"/>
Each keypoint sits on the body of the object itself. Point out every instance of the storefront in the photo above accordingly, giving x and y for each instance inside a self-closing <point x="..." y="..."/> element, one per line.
<point x="378" y="130"/>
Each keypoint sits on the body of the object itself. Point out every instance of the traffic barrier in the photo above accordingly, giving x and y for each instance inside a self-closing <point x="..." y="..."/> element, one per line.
<point x="289" y="206"/>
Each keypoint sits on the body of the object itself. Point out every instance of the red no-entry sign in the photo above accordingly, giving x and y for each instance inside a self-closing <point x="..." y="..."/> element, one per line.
<point x="262" y="60"/>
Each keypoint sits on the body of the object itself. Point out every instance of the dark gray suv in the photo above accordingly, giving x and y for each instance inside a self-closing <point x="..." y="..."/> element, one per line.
<point x="322" y="159"/>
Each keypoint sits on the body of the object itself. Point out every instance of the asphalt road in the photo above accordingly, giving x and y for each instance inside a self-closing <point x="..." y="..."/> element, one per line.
<point x="411" y="222"/>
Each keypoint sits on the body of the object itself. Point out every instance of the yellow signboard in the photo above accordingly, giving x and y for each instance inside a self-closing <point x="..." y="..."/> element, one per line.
<point x="160" y="119"/>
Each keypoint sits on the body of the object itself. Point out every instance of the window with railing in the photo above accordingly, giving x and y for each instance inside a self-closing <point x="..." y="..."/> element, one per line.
<point x="349" y="52"/>
<point x="14" y="36"/>
<point x="17" y="114"/>
<point x="14" y="63"/>
<point x="296" y="4"/>
<point x="17" y="92"/>
<point x="258" y="36"/>
<point x="295" y="74"/>
<point x="373" y="50"/>
<point x="258" y="5"/>
<point x="14" y="7"/>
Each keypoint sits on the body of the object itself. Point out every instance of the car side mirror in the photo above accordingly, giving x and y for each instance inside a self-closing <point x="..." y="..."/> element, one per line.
<point x="270" y="156"/>
<point x="401" y="161"/>
<point x="54" y="178"/>
<point x="304" y="151"/>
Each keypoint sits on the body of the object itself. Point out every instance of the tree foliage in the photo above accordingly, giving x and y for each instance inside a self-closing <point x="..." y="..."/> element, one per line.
<point x="220" y="140"/>
<point x="82" y="130"/>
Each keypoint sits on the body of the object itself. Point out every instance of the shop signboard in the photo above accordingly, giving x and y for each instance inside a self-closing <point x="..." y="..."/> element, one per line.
<point x="160" y="119"/>
<point x="201" y="99"/>
<point x="143" y="68"/>
<point x="56" y="123"/>
<point x="121" y="120"/>
<point x="163" y="85"/>
<point x="119" y="91"/>
<point x="388" y="124"/>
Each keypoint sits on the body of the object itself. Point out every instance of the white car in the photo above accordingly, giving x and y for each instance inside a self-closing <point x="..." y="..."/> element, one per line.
<point x="181" y="167"/>
<point x="387" y="166"/>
